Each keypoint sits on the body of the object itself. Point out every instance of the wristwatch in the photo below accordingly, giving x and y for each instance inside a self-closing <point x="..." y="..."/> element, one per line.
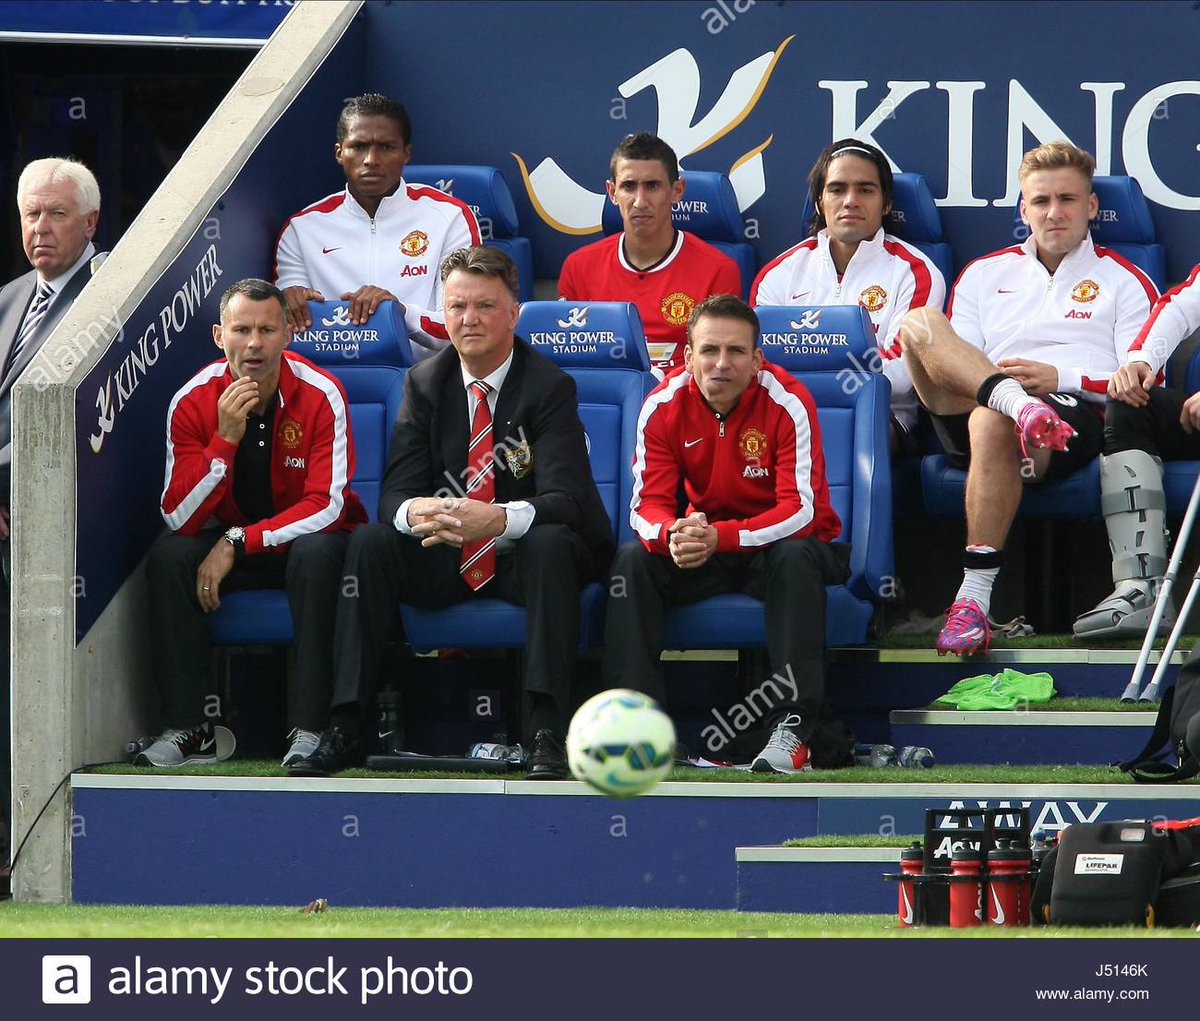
<point x="236" y="537"/>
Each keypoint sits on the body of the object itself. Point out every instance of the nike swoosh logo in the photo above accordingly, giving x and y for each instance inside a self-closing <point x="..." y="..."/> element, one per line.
<point x="802" y="294"/>
<point x="326" y="251"/>
<point x="691" y="443"/>
<point x="907" y="917"/>
<point x="208" y="745"/>
<point x="1005" y="290"/>
<point x="1000" y="917"/>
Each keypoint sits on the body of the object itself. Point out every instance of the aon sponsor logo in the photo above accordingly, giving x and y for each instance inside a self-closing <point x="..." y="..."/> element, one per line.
<point x="755" y="471"/>
<point x="293" y="462"/>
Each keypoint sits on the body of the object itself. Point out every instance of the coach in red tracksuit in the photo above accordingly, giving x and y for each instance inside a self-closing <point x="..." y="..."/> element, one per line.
<point x="741" y="438"/>
<point x="257" y="495"/>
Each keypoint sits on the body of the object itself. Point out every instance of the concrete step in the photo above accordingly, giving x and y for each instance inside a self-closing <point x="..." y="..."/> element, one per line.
<point x="152" y="839"/>
<point x="1042" y="737"/>
<point x="817" y="880"/>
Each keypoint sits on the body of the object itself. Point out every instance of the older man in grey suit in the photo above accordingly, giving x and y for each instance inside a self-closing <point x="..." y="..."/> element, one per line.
<point x="59" y="203"/>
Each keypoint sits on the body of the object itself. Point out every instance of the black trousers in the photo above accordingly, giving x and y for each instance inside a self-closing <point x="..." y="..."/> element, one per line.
<point x="789" y="576"/>
<point x="1154" y="428"/>
<point x="544" y="572"/>
<point x="310" y="569"/>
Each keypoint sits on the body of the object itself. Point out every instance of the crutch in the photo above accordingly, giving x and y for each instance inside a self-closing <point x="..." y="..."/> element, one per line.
<point x="1150" y="694"/>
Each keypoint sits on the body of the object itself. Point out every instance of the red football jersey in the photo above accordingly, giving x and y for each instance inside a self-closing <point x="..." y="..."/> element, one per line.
<point x="664" y="293"/>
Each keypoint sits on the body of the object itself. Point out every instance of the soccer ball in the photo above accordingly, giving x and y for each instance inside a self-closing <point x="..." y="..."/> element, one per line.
<point x="621" y="743"/>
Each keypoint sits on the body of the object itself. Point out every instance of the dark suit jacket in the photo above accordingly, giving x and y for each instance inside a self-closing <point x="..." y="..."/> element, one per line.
<point x="14" y="300"/>
<point x="537" y="406"/>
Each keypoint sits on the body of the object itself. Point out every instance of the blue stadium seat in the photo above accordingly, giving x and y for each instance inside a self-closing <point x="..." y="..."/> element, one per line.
<point x="828" y="349"/>
<point x="915" y="219"/>
<point x="369" y="361"/>
<point x="1076" y="497"/>
<point x="709" y="210"/>
<point x="486" y="191"/>
<point x="1124" y="225"/>
<point x="602" y="347"/>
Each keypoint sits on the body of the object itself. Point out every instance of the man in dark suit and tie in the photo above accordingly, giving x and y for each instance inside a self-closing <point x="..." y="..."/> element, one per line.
<point x="488" y="491"/>
<point x="59" y="203"/>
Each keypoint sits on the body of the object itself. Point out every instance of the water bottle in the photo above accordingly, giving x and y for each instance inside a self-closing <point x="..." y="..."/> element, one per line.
<point x="135" y="748"/>
<point x="874" y="755"/>
<point x="915" y="757"/>
<point x="513" y="754"/>
<point x="912" y="863"/>
<point x="1008" y="883"/>
<point x="390" y="728"/>
<point x="966" y="889"/>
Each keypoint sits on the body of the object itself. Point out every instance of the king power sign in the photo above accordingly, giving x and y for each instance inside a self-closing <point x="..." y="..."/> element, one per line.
<point x="571" y="207"/>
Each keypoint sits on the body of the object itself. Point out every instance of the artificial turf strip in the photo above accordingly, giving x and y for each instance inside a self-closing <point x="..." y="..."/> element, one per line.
<point x="1047" y="641"/>
<point x="38" y="921"/>
<point x="858" y="774"/>
<point x="1081" y="705"/>
<point x="854" y="840"/>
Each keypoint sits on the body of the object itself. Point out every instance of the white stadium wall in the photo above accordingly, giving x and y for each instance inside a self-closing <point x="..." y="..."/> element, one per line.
<point x="90" y="415"/>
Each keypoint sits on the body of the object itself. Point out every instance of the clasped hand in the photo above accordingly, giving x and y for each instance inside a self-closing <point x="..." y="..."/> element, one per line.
<point x="692" y="541"/>
<point x="454" y="520"/>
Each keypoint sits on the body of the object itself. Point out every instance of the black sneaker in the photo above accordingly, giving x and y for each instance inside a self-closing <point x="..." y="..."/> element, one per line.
<point x="335" y="753"/>
<point x="547" y="758"/>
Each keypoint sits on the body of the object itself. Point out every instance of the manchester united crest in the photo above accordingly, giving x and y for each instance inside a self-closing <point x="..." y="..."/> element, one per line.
<point x="873" y="298"/>
<point x="519" y="458"/>
<point x="1085" y="290"/>
<point x="677" y="307"/>
<point x="753" y="445"/>
<point x="415" y="243"/>
<point x="290" y="433"/>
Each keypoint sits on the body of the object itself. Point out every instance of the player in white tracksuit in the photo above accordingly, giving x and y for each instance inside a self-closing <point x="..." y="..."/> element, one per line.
<point x="849" y="259"/>
<point x="378" y="240"/>
<point x="1034" y="332"/>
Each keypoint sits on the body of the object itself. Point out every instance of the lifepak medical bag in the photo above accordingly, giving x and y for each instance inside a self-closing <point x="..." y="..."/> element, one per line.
<point x="1129" y="872"/>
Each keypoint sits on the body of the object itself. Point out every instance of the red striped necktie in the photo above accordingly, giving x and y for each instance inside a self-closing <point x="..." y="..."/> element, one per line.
<point x="478" y="565"/>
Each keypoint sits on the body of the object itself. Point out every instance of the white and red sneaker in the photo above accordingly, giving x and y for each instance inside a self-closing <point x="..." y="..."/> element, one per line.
<point x="784" y="752"/>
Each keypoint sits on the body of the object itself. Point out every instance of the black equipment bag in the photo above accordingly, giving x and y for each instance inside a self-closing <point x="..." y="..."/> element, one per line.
<point x="1176" y="730"/>
<point x="1129" y="872"/>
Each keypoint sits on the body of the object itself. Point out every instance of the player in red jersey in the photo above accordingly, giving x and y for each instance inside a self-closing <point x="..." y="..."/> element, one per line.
<point x="661" y="269"/>
<point x="741" y="438"/>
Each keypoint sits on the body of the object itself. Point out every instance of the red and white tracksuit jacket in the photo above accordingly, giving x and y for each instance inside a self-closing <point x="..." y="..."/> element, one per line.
<point x="758" y="473"/>
<point x="1080" y="320"/>
<point x="312" y="458"/>
<point x="1175" y="316"/>
<point x="334" y="246"/>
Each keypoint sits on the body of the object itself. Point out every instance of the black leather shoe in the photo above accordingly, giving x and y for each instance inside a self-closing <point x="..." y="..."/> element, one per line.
<point x="547" y="758"/>
<point x="335" y="753"/>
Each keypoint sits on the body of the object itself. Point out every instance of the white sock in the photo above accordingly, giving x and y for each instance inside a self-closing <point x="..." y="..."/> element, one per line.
<point x="1008" y="397"/>
<point x="977" y="581"/>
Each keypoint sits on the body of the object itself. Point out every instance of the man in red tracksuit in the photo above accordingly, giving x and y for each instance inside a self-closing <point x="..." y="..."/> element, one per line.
<point x="259" y="445"/>
<point x="742" y="439"/>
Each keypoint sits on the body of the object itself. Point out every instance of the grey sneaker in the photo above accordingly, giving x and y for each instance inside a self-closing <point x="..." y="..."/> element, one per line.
<point x="784" y="752"/>
<point x="303" y="744"/>
<point x="194" y="746"/>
